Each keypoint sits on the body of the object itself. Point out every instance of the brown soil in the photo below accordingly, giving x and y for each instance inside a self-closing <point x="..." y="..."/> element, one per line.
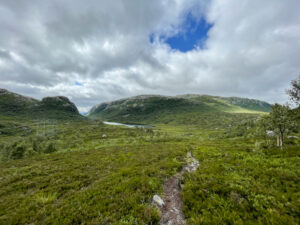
<point x="172" y="210"/>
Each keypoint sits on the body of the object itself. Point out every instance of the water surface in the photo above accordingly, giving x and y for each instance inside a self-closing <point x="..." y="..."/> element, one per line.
<point x="127" y="125"/>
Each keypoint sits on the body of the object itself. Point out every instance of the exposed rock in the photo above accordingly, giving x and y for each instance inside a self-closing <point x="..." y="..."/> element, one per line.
<point x="104" y="136"/>
<point x="192" y="165"/>
<point x="158" y="201"/>
<point x="292" y="137"/>
<point x="59" y="102"/>
<point x="12" y="104"/>
<point x="3" y="91"/>
<point x="270" y="133"/>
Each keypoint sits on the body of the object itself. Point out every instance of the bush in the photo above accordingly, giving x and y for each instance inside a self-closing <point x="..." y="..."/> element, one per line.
<point x="50" y="148"/>
<point x="18" y="151"/>
<point x="35" y="146"/>
<point x="262" y="145"/>
<point x="29" y="153"/>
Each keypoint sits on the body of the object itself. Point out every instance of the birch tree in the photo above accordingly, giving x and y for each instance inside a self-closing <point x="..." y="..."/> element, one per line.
<point x="281" y="121"/>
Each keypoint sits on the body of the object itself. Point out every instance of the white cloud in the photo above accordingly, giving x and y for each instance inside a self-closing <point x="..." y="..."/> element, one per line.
<point x="45" y="46"/>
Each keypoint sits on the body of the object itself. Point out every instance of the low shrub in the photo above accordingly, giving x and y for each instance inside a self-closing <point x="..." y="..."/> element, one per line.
<point x="50" y="148"/>
<point x="263" y="145"/>
<point x="18" y="151"/>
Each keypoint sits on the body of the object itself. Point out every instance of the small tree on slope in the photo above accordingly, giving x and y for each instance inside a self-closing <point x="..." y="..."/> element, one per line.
<point x="281" y="121"/>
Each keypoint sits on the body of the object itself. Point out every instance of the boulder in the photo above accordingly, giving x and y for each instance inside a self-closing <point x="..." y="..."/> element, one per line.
<point x="292" y="137"/>
<point x="270" y="133"/>
<point x="158" y="201"/>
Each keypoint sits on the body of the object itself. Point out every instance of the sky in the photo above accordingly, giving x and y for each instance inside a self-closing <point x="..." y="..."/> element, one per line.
<point x="96" y="51"/>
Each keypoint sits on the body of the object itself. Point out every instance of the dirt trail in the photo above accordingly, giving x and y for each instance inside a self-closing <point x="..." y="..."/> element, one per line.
<point x="172" y="209"/>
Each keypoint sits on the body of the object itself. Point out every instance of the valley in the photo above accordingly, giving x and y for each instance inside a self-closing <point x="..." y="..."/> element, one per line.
<point x="80" y="170"/>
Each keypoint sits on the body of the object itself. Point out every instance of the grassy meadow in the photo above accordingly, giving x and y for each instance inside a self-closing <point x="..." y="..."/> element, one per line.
<point x="85" y="172"/>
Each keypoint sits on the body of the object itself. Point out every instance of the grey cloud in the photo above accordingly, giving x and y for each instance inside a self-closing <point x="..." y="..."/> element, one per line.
<point x="45" y="46"/>
<point x="5" y="55"/>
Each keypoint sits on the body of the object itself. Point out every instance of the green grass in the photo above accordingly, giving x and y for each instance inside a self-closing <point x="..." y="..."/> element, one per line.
<point x="88" y="178"/>
<point x="95" y="184"/>
<point x="92" y="186"/>
<point x="236" y="185"/>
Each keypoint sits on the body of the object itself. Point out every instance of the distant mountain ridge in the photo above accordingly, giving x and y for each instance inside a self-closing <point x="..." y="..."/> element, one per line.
<point x="158" y="108"/>
<point x="58" y="107"/>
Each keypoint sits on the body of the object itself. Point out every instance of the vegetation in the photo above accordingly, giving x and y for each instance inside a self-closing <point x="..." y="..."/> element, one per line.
<point x="294" y="92"/>
<point x="280" y="121"/>
<point x="81" y="171"/>
<point x="15" y="105"/>
<point x="90" y="179"/>
<point x="237" y="184"/>
<point x="178" y="110"/>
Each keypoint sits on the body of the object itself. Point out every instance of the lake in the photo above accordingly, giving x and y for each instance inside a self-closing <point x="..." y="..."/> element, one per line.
<point x="128" y="125"/>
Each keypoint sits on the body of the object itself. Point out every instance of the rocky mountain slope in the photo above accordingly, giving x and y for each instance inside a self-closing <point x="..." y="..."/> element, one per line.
<point x="59" y="107"/>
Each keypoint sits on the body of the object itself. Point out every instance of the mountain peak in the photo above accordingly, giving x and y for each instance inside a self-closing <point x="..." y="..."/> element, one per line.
<point x="3" y="91"/>
<point x="13" y="104"/>
<point x="59" y="101"/>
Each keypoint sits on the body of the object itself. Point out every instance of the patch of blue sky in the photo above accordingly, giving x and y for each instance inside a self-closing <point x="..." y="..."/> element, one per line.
<point x="193" y="34"/>
<point x="77" y="83"/>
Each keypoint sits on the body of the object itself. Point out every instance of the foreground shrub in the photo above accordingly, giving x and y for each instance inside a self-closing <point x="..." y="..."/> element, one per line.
<point x="50" y="148"/>
<point x="262" y="145"/>
<point x="18" y="151"/>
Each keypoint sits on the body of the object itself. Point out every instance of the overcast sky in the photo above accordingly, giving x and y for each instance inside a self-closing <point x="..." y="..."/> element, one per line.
<point x="94" y="51"/>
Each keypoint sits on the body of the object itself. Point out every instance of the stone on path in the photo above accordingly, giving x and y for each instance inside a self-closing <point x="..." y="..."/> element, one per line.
<point x="157" y="200"/>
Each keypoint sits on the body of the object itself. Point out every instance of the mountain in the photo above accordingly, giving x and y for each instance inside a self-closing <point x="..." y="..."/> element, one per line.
<point x="183" y="109"/>
<point x="13" y="104"/>
<point x="59" y="107"/>
<point x="236" y="103"/>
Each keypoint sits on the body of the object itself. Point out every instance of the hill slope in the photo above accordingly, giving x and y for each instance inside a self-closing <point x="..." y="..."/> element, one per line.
<point x="184" y="109"/>
<point x="59" y="107"/>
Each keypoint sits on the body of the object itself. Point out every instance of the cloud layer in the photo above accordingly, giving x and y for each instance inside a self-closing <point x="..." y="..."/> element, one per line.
<point x="49" y="47"/>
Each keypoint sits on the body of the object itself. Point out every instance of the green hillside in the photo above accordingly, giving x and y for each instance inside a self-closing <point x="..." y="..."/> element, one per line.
<point x="87" y="172"/>
<point x="17" y="106"/>
<point x="184" y="109"/>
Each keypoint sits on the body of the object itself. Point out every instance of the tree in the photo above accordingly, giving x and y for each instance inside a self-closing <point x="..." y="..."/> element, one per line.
<point x="294" y="92"/>
<point x="281" y="121"/>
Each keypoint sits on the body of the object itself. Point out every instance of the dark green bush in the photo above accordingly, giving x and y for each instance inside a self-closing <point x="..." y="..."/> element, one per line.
<point x="18" y="151"/>
<point x="35" y="146"/>
<point x="50" y="148"/>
